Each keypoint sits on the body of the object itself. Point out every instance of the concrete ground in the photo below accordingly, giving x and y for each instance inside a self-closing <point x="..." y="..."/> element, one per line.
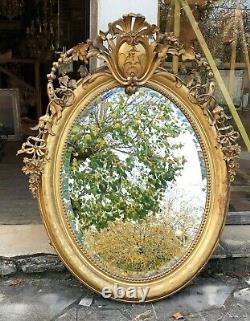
<point x="21" y="253"/>
<point x="59" y="297"/>
<point x="16" y="203"/>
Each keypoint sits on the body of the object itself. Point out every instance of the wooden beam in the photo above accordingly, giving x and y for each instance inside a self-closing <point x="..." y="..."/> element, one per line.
<point x="14" y="77"/>
<point x="240" y="188"/>
<point x="38" y="89"/>
<point x="169" y="19"/>
<point x="238" y="66"/>
<point x="200" y="3"/>
<point x="17" y="61"/>
<point x="238" y="218"/>
<point x="177" y="29"/>
<point x="233" y="54"/>
<point x="244" y="175"/>
<point x="222" y="66"/>
<point x="244" y="44"/>
<point x="216" y="72"/>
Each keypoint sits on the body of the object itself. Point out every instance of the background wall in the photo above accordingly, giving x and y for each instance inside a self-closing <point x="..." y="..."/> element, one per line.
<point x="109" y="10"/>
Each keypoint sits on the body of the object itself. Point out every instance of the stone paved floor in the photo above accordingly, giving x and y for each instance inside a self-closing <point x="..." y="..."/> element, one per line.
<point x="56" y="297"/>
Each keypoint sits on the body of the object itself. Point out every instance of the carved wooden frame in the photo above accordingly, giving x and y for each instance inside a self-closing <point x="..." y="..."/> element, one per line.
<point x="134" y="54"/>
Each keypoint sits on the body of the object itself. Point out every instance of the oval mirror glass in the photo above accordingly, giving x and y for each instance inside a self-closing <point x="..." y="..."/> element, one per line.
<point x="127" y="188"/>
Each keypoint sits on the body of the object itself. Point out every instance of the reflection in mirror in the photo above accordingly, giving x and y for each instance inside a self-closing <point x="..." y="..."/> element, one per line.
<point x="134" y="182"/>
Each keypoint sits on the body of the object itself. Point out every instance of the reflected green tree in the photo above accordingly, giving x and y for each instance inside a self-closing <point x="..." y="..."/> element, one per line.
<point x="122" y="156"/>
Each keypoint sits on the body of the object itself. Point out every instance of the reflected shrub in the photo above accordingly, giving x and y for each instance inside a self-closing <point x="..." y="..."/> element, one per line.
<point x="143" y="246"/>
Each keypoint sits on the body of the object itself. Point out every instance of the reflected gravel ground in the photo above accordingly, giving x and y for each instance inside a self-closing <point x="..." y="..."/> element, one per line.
<point x="59" y="297"/>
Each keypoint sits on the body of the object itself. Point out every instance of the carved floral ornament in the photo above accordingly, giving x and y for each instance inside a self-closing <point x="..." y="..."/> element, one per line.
<point x="132" y="51"/>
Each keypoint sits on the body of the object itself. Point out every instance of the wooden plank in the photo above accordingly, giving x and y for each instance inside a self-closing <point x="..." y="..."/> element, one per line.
<point x="224" y="66"/>
<point x="233" y="54"/>
<point x="201" y="3"/>
<point x="38" y="89"/>
<point x="238" y="218"/>
<point x="169" y="19"/>
<point x="177" y="29"/>
<point x="240" y="188"/>
<point x="17" y="61"/>
<point x="244" y="175"/>
<point x="238" y="66"/>
<point x="244" y="44"/>
<point x="18" y="80"/>
<point x="216" y="72"/>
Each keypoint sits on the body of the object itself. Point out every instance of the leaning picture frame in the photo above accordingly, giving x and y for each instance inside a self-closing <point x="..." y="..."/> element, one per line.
<point x="10" y="113"/>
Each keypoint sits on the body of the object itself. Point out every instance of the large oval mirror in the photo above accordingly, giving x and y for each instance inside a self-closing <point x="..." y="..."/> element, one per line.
<point x="132" y="165"/>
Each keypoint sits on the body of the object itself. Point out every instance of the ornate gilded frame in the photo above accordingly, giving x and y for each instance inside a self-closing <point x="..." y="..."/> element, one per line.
<point x="134" y="54"/>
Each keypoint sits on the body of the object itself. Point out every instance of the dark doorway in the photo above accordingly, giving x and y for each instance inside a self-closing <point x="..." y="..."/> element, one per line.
<point x="33" y="34"/>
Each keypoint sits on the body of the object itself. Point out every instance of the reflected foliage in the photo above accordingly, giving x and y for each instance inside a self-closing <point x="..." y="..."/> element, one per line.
<point x="122" y="158"/>
<point x="126" y="182"/>
<point x="150" y="243"/>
